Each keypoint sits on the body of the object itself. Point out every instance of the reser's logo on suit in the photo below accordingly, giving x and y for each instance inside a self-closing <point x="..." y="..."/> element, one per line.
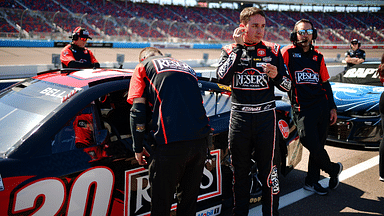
<point x="251" y="79"/>
<point x="307" y="76"/>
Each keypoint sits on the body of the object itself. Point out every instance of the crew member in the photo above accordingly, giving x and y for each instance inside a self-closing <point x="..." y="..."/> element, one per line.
<point x="180" y="127"/>
<point x="75" y="54"/>
<point x="253" y="68"/>
<point x="312" y="103"/>
<point x="355" y="55"/>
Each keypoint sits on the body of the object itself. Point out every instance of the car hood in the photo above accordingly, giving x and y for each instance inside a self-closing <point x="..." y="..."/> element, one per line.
<point x="355" y="97"/>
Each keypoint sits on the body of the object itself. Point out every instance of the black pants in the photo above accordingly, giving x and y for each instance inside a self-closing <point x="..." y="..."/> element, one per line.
<point x="248" y="132"/>
<point x="381" y="148"/>
<point x="312" y="127"/>
<point x="177" y="168"/>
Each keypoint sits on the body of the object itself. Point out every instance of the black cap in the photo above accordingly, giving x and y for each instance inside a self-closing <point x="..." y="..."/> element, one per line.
<point x="355" y="41"/>
<point x="80" y="32"/>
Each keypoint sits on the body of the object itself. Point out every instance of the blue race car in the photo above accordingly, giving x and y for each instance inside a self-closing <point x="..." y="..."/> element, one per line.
<point x="357" y="92"/>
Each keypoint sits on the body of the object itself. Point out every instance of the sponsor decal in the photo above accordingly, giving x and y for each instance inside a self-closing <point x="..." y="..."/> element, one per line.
<point x="216" y="210"/>
<point x="1" y="184"/>
<point x="251" y="79"/>
<point x="260" y="64"/>
<point x="307" y="76"/>
<point x="223" y="69"/>
<point x="247" y="59"/>
<point x="361" y="73"/>
<point x="169" y="64"/>
<point x="225" y="87"/>
<point x="251" y="48"/>
<point x="140" y="127"/>
<point x="275" y="49"/>
<point x="296" y="55"/>
<point x="85" y="51"/>
<point x="286" y="83"/>
<point x="267" y="59"/>
<point x="261" y="52"/>
<point x="257" y="59"/>
<point x="253" y="108"/>
<point x="274" y="181"/>
<point x="284" y="128"/>
<point x="315" y="58"/>
<point x="137" y="197"/>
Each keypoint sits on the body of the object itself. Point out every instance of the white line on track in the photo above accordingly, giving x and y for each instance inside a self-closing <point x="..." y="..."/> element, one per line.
<point x="297" y="195"/>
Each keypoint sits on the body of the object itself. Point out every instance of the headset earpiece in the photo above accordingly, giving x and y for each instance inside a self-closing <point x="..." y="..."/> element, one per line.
<point x="293" y="36"/>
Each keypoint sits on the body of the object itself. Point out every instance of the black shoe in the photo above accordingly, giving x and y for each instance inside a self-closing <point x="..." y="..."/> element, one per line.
<point x="334" y="180"/>
<point x="317" y="188"/>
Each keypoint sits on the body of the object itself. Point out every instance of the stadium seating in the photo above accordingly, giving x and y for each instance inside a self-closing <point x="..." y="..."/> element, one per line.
<point x="127" y="20"/>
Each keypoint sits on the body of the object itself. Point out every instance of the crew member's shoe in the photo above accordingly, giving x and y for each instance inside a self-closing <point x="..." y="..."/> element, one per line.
<point x="317" y="188"/>
<point x="381" y="179"/>
<point x="334" y="180"/>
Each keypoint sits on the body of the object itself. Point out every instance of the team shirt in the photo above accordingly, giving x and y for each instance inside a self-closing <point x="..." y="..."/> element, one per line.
<point x="307" y="72"/>
<point x="171" y="89"/>
<point x="71" y="52"/>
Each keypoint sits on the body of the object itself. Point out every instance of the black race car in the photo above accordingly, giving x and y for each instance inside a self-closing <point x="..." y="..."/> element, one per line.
<point x="66" y="147"/>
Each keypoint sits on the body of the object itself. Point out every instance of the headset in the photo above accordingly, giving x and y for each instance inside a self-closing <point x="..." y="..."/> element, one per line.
<point x="293" y="36"/>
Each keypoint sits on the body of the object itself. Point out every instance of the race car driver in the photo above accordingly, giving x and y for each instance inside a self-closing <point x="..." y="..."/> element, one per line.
<point x="75" y="54"/>
<point x="253" y="67"/>
<point x="180" y="128"/>
<point x="312" y="103"/>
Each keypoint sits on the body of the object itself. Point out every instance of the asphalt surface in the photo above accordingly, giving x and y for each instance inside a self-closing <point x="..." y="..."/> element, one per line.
<point x="360" y="192"/>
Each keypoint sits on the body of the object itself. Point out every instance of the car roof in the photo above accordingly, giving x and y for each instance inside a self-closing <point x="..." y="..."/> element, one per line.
<point x="82" y="77"/>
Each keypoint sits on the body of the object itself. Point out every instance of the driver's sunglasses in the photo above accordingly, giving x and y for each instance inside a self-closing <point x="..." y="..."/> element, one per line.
<point x="83" y="39"/>
<point x="302" y="32"/>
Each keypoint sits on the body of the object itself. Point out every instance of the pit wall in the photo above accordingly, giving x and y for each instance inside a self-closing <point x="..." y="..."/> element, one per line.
<point x="23" y="71"/>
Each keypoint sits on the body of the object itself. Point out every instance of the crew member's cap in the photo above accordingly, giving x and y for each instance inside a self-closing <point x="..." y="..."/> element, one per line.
<point x="80" y="32"/>
<point x="354" y="41"/>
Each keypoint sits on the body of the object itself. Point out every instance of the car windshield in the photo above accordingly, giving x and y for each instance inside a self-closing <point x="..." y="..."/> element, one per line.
<point x="23" y="106"/>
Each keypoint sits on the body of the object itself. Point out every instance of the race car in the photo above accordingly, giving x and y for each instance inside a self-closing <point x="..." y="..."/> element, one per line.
<point x="357" y="92"/>
<point x="66" y="147"/>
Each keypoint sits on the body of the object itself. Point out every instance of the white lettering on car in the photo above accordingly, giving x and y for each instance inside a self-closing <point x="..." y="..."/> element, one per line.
<point x="361" y="73"/>
<point x="53" y="191"/>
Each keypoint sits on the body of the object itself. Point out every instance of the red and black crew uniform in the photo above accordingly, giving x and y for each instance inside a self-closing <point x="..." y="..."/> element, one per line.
<point x="311" y="99"/>
<point x="180" y="127"/>
<point x="253" y="118"/>
<point x="75" y="54"/>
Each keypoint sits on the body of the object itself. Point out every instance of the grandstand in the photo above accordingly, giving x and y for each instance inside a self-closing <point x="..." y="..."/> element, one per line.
<point x="117" y="20"/>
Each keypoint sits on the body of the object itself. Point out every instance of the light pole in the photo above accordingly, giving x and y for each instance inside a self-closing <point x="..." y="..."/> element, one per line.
<point x="222" y="31"/>
<point x="206" y="29"/>
<point x="130" y="20"/>
<point x="150" y="26"/>
<point x="82" y="17"/>
<point x="169" y="29"/>
<point x="53" y="23"/>
<point x="105" y="21"/>
<point x="189" y="27"/>
<point x="21" y="22"/>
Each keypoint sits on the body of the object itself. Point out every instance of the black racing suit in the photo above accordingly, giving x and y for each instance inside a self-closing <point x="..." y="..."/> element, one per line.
<point x="381" y="147"/>
<point x="253" y="119"/>
<point x="359" y="53"/>
<point x="311" y="99"/>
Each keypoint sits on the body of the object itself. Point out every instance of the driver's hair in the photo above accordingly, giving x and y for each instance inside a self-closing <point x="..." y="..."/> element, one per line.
<point x="148" y="52"/>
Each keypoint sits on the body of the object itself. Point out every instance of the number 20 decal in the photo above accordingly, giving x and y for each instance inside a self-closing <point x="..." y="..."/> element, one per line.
<point x="53" y="192"/>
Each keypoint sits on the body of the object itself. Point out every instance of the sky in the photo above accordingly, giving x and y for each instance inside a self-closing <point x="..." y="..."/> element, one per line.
<point x="269" y="6"/>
